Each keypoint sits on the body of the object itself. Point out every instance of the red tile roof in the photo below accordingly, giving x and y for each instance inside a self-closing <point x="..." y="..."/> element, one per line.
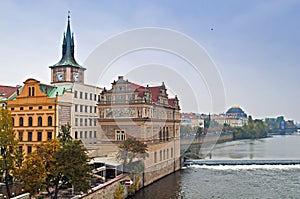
<point x="8" y="90"/>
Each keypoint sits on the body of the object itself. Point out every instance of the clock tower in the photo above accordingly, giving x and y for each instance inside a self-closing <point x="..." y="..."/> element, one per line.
<point x="67" y="70"/>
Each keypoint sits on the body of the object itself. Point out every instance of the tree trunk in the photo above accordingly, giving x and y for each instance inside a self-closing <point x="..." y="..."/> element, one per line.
<point x="6" y="174"/>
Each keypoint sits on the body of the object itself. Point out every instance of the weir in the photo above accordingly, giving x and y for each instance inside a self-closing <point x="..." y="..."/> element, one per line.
<point x="241" y="162"/>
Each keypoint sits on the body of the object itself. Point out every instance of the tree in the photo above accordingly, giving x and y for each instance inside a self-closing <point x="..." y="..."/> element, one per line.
<point x="130" y="149"/>
<point x="9" y="149"/>
<point x="57" y="164"/>
<point x="72" y="162"/>
<point x="64" y="135"/>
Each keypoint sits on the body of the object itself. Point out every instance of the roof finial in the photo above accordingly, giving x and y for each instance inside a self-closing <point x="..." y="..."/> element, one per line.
<point x="68" y="15"/>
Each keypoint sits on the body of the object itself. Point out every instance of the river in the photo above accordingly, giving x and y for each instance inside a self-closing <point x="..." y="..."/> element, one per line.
<point x="238" y="181"/>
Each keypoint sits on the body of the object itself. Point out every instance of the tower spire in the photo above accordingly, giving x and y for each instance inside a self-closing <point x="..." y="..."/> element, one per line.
<point x="68" y="58"/>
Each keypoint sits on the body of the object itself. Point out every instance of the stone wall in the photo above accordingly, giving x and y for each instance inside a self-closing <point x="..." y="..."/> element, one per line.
<point x="107" y="190"/>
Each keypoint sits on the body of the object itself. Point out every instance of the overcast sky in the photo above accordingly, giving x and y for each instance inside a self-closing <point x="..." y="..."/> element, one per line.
<point x="254" y="44"/>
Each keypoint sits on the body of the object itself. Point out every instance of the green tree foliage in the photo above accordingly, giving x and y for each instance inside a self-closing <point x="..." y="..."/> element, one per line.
<point x="8" y="148"/>
<point x="72" y="161"/>
<point x="253" y="130"/>
<point x="64" y="135"/>
<point x="57" y="164"/>
<point x="130" y="149"/>
<point x="118" y="194"/>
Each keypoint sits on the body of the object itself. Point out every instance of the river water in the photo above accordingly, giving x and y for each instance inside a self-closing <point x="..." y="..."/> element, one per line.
<point x="237" y="181"/>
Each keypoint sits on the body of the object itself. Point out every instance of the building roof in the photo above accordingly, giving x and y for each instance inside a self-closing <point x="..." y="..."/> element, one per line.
<point x="68" y="58"/>
<point x="235" y="109"/>
<point x="8" y="91"/>
<point x="52" y="91"/>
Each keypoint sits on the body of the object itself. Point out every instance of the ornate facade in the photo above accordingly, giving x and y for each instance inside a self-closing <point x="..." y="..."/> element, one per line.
<point x="34" y="113"/>
<point x="129" y="110"/>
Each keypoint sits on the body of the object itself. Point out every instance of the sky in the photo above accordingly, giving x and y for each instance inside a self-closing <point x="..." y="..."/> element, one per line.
<point x="254" y="45"/>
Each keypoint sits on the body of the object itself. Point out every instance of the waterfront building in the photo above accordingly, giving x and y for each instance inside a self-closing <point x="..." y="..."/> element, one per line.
<point x="129" y="110"/>
<point x="7" y="93"/>
<point x="81" y="99"/>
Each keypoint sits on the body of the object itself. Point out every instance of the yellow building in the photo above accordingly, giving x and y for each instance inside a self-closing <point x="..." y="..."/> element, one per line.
<point x="146" y="113"/>
<point x="35" y="112"/>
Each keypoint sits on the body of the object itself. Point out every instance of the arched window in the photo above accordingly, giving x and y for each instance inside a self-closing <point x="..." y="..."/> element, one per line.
<point x="29" y="91"/>
<point x="30" y="121"/>
<point x="21" y="120"/>
<point x="76" y="135"/>
<point x="40" y="121"/>
<point x="49" y="121"/>
<point x="32" y="91"/>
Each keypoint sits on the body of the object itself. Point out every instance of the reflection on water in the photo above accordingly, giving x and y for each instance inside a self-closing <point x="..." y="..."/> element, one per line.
<point x="277" y="147"/>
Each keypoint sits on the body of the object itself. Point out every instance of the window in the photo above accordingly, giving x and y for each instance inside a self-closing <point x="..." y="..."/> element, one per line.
<point x="86" y="109"/>
<point x="80" y="95"/>
<point x="30" y="121"/>
<point x="49" y="107"/>
<point x="40" y="107"/>
<point x="95" y="97"/>
<point x="164" y="154"/>
<point x="29" y="149"/>
<point x="85" y="134"/>
<point x="29" y="91"/>
<point x="76" y="121"/>
<point x="95" y="109"/>
<point x="21" y="108"/>
<point x="81" y="122"/>
<point x="85" y="122"/>
<point x="21" y="121"/>
<point x="120" y="135"/>
<point x="49" y="135"/>
<point x="91" y="109"/>
<point x="155" y="157"/>
<point x="40" y="121"/>
<point x="75" y="94"/>
<point x="49" y="121"/>
<point x="39" y="136"/>
<point x="86" y="96"/>
<point x="91" y="122"/>
<point x="91" y="96"/>
<point x="21" y="136"/>
<point x="167" y="153"/>
<point x="95" y="134"/>
<point x="80" y="134"/>
<point x="160" y="155"/>
<point x="91" y="134"/>
<point x="13" y="121"/>
<point x="95" y="122"/>
<point x="76" y="107"/>
<point x="30" y="107"/>
<point x="29" y="137"/>
<point x="171" y="152"/>
<point x="76" y="135"/>
<point x="81" y="108"/>
<point x="12" y="109"/>
<point x="32" y="91"/>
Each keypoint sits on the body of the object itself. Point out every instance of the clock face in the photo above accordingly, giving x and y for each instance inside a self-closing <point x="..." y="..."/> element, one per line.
<point x="60" y="76"/>
<point x="75" y="77"/>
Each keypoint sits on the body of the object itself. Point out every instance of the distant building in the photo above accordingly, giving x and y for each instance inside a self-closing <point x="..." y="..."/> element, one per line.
<point x="129" y="110"/>
<point x="192" y="120"/>
<point x="7" y="93"/>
